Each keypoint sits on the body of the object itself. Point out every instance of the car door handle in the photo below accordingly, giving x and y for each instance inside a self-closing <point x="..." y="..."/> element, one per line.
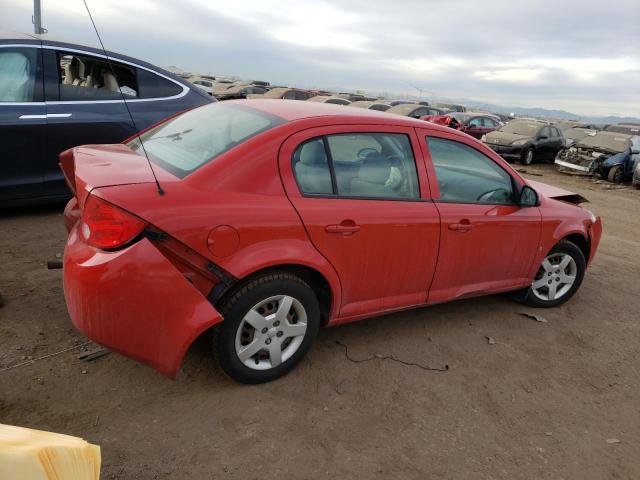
<point x="346" y="229"/>
<point x="463" y="226"/>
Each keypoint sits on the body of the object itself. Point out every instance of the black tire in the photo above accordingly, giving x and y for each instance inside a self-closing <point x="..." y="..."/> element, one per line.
<point x="238" y="305"/>
<point x="529" y="297"/>
<point x="615" y="174"/>
<point x="527" y="156"/>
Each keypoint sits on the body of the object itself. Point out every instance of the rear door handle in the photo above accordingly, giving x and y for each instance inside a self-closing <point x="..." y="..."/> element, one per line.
<point x="463" y="226"/>
<point x="344" y="229"/>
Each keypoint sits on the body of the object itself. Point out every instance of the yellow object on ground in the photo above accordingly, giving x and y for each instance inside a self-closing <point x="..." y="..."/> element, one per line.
<point x="27" y="454"/>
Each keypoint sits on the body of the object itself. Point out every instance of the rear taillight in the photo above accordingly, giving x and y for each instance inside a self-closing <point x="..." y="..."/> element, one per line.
<point x="106" y="226"/>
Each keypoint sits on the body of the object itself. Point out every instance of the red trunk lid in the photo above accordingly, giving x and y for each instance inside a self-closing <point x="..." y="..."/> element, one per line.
<point x="92" y="166"/>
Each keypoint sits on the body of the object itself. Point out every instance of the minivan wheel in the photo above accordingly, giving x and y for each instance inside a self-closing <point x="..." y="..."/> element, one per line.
<point x="615" y="174"/>
<point x="527" y="156"/>
<point x="269" y="325"/>
<point x="557" y="279"/>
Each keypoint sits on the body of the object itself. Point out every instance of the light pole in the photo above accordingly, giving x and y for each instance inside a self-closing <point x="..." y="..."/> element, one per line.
<point x="37" y="18"/>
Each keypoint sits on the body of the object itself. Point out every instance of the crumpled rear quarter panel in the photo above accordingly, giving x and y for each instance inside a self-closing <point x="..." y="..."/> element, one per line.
<point x="135" y="302"/>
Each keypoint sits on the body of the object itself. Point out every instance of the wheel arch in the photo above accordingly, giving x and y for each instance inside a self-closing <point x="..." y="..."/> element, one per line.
<point x="318" y="282"/>
<point x="581" y="241"/>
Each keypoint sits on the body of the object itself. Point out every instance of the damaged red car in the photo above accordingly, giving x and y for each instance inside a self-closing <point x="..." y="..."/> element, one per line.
<point x="270" y="220"/>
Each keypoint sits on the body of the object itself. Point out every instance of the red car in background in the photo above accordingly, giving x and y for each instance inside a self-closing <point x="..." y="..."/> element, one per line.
<point x="272" y="219"/>
<point x="474" y="124"/>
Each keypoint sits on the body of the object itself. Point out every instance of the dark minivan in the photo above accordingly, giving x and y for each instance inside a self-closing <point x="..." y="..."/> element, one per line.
<point x="56" y="95"/>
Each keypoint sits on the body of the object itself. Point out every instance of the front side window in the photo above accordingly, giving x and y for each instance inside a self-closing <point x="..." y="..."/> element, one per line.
<point x="18" y="71"/>
<point x="467" y="176"/>
<point x="188" y="141"/>
<point x="83" y="77"/>
<point x="365" y="165"/>
<point x="475" y="122"/>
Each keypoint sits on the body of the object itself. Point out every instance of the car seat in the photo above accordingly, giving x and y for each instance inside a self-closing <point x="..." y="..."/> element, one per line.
<point x="372" y="177"/>
<point x="312" y="169"/>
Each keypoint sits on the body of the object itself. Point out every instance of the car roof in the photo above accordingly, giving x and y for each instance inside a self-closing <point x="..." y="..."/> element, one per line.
<point x="9" y="35"/>
<point x="292" y="110"/>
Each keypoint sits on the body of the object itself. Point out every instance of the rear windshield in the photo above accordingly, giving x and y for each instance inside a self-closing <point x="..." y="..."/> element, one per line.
<point x="520" y="127"/>
<point x="185" y="143"/>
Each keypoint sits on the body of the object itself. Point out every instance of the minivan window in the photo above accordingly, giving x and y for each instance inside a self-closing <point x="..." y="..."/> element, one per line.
<point x="18" y="67"/>
<point x="194" y="138"/>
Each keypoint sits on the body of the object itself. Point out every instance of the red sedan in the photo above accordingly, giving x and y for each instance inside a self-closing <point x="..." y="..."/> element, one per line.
<point x="270" y="219"/>
<point x="474" y="124"/>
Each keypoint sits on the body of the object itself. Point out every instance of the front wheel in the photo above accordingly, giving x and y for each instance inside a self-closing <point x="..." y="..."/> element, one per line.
<point x="269" y="325"/>
<point x="616" y="174"/>
<point x="527" y="156"/>
<point x="557" y="279"/>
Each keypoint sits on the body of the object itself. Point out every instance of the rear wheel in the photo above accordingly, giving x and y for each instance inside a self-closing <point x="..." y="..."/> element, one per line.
<point x="269" y="325"/>
<point x="527" y="156"/>
<point x="615" y="174"/>
<point x="557" y="279"/>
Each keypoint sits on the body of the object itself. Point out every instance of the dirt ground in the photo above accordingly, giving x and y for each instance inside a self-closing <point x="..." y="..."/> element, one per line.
<point x="545" y="401"/>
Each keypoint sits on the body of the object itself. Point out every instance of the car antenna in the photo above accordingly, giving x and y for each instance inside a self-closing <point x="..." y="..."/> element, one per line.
<point x="133" y="122"/>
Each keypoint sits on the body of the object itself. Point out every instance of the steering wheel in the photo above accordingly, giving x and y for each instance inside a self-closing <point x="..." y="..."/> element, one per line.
<point x="488" y="195"/>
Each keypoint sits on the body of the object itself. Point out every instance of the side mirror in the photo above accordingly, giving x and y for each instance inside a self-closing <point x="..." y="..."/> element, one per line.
<point x="528" y="197"/>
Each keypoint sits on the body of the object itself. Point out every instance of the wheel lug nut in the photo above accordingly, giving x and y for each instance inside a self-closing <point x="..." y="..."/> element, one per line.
<point x="264" y="330"/>
<point x="279" y="334"/>
<point x="276" y="323"/>
<point x="549" y="282"/>
<point x="267" y="341"/>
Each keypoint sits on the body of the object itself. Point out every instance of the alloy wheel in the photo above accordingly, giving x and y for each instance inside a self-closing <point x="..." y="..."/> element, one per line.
<point x="528" y="158"/>
<point x="271" y="332"/>
<point x="556" y="276"/>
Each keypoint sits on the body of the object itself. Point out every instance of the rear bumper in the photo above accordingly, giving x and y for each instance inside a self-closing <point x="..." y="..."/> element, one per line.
<point x="134" y="302"/>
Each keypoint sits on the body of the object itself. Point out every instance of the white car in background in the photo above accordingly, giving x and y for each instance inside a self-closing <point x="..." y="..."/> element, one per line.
<point x="203" y="83"/>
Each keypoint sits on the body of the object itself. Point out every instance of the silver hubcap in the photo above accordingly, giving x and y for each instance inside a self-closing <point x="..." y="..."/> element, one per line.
<point x="555" y="278"/>
<point x="529" y="157"/>
<point x="271" y="332"/>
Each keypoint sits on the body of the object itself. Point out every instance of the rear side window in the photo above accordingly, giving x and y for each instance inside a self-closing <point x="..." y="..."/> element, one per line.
<point x="311" y="168"/>
<point x="467" y="176"/>
<point x="18" y="72"/>
<point x="364" y="165"/>
<point x="185" y="143"/>
<point x="86" y="78"/>
<point x="155" y="86"/>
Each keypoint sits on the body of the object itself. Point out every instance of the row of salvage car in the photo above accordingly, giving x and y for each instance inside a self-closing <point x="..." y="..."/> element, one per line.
<point x="610" y="152"/>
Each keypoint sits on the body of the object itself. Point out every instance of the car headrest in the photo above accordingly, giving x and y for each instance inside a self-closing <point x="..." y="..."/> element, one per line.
<point x="375" y="169"/>
<point x="312" y="153"/>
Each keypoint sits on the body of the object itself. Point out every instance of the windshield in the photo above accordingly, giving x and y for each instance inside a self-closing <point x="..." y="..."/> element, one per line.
<point x="520" y="127"/>
<point x="196" y="137"/>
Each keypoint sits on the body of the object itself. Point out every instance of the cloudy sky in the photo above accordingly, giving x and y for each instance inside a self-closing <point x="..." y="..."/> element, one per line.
<point x="578" y="55"/>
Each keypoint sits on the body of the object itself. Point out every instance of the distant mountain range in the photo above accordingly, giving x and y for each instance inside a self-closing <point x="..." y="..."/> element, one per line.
<point x="547" y="113"/>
